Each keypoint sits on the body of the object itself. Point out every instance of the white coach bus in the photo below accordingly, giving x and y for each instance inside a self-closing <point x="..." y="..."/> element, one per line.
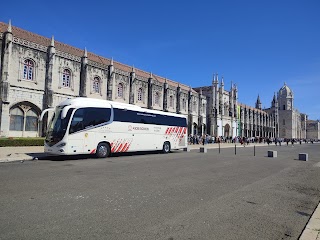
<point x="101" y="127"/>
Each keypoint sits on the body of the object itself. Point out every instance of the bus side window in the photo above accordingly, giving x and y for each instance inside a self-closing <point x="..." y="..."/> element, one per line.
<point x="77" y="121"/>
<point x="96" y="116"/>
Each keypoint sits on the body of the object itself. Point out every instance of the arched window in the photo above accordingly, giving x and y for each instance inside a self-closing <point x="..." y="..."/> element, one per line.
<point x="156" y="98"/>
<point x="184" y="104"/>
<point x="96" y="85"/>
<point x="120" y="90"/>
<point x="66" y="78"/>
<point x="16" y="119"/>
<point x="194" y="106"/>
<point x="140" y="94"/>
<point x="26" y="120"/>
<point x="171" y="101"/>
<point x="31" y="121"/>
<point x="203" y="108"/>
<point x="28" y="70"/>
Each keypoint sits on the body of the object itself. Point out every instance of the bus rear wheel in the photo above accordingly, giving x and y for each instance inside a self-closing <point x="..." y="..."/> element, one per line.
<point x="103" y="150"/>
<point x="166" y="147"/>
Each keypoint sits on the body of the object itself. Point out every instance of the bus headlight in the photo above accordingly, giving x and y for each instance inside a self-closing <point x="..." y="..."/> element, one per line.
<point x="61" y="145"/>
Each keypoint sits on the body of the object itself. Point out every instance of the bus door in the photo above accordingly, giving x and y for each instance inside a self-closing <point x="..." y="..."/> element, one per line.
<point x="76" y="135"/>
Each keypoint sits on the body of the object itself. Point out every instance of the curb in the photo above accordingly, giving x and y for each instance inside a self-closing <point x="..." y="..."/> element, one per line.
<point x="312" y="229"/>
<point x="21" y="157"/>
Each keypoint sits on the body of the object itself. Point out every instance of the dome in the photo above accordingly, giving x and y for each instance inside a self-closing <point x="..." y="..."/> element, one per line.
<point x="285" y="91"/>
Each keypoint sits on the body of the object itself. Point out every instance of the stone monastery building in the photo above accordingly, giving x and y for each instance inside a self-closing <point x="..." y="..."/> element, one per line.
<point x="37" y="73"/>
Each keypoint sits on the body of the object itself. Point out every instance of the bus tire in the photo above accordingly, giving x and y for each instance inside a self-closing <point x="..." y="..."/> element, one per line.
<point x="166" y="147"/>
<point x="103" y="150"/>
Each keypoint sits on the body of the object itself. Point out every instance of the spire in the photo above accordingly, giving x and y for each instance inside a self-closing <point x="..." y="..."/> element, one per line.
<point x="52" y="41"/>
<point x="222" y="81"/>
<point x="9" y="27"/>
<point x="151" y="75"/>
<point x="85" y="54"/>
<point x="258" y="103"/>
<point x="217" y="78"/>
<point x="133" y="69"/>
<point x="111" y="63"/>
<point x="258" y="99"/>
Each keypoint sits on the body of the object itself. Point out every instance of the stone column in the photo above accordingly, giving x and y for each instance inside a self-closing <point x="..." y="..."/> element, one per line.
<point x="131" y="90"/>
<point x="84" y="75"/>
<point x="48" y="92"/>
<point x="110" y="81"/>
<point x="150" y="92"/>
<point x="165" y="96"/>
<point x="178" y="99"/>
<point x="6" y="55"/>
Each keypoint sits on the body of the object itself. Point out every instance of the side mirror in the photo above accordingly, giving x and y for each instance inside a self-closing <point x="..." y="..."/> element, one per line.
<point x="45" y="111"/>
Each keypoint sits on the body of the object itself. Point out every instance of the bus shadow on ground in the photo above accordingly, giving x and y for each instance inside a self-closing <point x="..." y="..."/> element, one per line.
<point x="46" y="157"/>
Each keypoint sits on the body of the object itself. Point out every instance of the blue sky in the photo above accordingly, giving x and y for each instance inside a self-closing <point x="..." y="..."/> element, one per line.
<point x="258" y="45"/>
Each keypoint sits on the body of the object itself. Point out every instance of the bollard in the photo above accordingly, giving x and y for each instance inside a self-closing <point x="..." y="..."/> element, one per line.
<point x="187" y="149"/>
<point x="272" y="154"/>
<point x="303" y="156"/>
<point x="235" y="149"/>
<point x="254" y="150"/>
<point x="203" y="149"/>
<point x="219" y="147"/>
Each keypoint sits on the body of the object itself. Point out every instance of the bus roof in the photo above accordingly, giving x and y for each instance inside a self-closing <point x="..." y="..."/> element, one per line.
<point x="93" y="102"/>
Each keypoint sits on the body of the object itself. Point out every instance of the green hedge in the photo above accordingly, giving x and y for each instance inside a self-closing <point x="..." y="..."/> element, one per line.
<point x="12" y="142"/>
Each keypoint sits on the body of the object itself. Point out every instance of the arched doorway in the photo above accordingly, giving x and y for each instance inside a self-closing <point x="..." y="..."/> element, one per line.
<point x="227" y="130"/>
<point x="195" y="128"/>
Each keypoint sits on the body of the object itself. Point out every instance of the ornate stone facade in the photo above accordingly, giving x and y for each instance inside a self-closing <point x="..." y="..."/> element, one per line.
<point x="37" y="73"/>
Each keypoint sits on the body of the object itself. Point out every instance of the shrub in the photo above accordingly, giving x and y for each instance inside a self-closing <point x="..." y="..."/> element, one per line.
<point x="12" y="142"/>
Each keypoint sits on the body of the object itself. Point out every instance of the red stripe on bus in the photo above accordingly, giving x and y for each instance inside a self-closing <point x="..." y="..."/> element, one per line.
<point x="113" y="147"/>
<point x="123" y="147"/>
<point x="93" y="151"/>
<point x="127" y="148"/>
<point x="118" y="149"/>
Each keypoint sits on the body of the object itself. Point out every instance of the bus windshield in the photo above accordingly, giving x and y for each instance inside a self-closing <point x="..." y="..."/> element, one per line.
<point x="57" y="127"/>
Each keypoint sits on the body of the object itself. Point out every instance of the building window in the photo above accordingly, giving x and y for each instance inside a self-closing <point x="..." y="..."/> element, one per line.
<point x="140" y="94"/>
<point x="16" y="119"/>
<point x="28" y="70"/>
<point x="156" y="98"/>
<point x="203" y="108"/>
<point x="171" y="101"/>
<point x="284" y="107"/>
<point x="194" y="106"/>
<point x="184" y="104"/>
<point x="120" y="90"/>
<point x="66" y="78"/>
<point x="96" y="85"/>
<point x="31" y="121"/>
<point x="23" y="121"/>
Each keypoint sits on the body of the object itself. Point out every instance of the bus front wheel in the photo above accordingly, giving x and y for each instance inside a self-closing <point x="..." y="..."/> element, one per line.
<point x="166" y="147"/>
<point x="103" y="150"/>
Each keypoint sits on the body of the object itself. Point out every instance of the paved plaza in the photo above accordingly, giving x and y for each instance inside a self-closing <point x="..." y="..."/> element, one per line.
<point x="239" y="193"/>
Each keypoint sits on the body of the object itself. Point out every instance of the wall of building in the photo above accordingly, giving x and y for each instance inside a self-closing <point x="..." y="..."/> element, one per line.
<point x="210" y="109"/>
<point x="313" y="130"/>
